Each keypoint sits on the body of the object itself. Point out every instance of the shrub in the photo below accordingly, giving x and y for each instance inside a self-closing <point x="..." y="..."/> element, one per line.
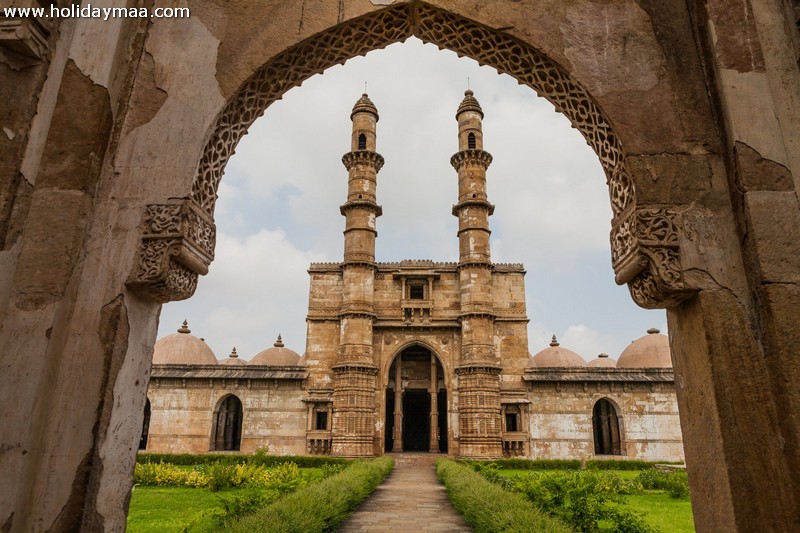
<point x="487" y="507"/>
<point x="676" y="483"/>
<point x="587" y="500"/>
<point x="319" y="507"/>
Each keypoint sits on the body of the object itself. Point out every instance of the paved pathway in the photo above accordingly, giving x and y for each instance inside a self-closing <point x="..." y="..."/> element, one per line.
<point x="410" y="499"/>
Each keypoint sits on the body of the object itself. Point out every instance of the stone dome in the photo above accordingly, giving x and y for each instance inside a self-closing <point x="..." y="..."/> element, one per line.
<point x="232" y="359"/>
<point x="469" y="103"/>
<point x="365" y="105"/>
<point x="602" y="361"/>
<point x="278" y="355"/>
<point x="181" y="348"/>
<point x="650" y="351"/>
<point x="556" y="356"/>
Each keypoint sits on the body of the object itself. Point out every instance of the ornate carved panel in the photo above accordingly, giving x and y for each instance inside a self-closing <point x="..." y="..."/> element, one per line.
<point x="177" y="245"/>
<point x="645" y="254"/>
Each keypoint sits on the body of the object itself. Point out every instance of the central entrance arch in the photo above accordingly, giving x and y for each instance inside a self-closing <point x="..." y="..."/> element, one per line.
<point x="416" y="403"/>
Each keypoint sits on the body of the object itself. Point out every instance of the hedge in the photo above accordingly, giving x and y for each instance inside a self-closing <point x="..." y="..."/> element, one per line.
<point x="488" y="508"/>
<point x="259" y="459"/>
<point x="532" y="464"/>
<point x="320" y="507"/>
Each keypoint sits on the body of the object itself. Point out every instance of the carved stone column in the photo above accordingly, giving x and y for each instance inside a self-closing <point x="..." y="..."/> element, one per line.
<point x="434" y="447"/>
<point x="397" y="438"/>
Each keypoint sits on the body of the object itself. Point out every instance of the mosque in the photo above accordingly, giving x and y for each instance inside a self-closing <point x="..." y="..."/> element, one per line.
<point x="415" y="355"/>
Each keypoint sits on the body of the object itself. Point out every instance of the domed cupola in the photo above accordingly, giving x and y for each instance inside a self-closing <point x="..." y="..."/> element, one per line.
<point x="555" y="356"/>
<point x="365" y="105"/>
<point x="602" y="361"/>
<point x="650" y="351"/>
<point x="278" y="355"/>
<point x="233" y="359"/>
<point x="469" y="103"/>
<point x="182" y="348"/>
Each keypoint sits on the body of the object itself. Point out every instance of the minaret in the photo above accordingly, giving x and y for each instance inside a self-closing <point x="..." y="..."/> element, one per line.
<point x="353" y="428"/>
<point x="479" y="370"/>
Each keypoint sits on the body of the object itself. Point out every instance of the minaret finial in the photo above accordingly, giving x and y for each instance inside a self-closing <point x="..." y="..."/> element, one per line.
<point x="185" y="327"/>
<point x="468" y="83"/>
<point x="279" y="342"/>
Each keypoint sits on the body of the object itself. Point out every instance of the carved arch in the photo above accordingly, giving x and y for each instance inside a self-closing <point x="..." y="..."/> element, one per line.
<point x="644" y="241"/>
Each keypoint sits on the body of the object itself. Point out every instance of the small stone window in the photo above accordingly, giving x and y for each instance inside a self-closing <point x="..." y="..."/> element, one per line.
<point x="416" y="291"/>
<point x="321" y="420"/>
<point x="471" y="141"/>
<point x="512" y="422"/>
<point x="362" y="142"/>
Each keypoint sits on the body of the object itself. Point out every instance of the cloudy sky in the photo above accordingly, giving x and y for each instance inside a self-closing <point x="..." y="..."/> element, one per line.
<point x="278" y="207"/>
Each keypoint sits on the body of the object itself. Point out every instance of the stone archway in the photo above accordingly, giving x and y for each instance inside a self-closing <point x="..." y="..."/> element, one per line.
<point x="702" y="110"/>
<point x="179" y="240"/>
<point x="415" y="407"/>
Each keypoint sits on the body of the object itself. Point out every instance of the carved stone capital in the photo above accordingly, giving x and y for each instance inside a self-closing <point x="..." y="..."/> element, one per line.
<point x="645" y="254"/>
<point x="177" y="245"/>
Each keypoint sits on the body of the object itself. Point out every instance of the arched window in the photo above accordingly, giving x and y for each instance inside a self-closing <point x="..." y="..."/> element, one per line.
<point x="362" y="142"/>
<point x="145" y="426"/>
<point x="605" y="424"/>
<point x="471" y="141"/>
<point x="228" y="424"/>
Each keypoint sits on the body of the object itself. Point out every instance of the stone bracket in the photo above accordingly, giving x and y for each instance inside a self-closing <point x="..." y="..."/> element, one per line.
<point x="645" y="254"/>
<point x="177" y="246"/>
<point x="25" y="36"/>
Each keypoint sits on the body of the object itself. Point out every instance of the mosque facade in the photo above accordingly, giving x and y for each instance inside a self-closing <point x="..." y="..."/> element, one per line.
<point x="415" y="355"/>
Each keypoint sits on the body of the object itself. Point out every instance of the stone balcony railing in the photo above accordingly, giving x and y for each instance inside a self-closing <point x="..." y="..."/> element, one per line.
<point x="318" y="442"/>
<point x="514" y="443"/>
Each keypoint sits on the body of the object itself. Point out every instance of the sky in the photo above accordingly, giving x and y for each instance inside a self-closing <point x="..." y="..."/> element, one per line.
<point x="278" y="206"/>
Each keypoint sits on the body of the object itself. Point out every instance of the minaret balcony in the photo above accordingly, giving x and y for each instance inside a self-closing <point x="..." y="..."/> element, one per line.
<point x="363" y="158"/>
<point x="472" y="156"/>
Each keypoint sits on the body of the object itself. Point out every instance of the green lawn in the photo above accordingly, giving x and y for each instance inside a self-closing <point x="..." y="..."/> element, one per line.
<point x="667" y="514"/>
<point x="168" y="509"/>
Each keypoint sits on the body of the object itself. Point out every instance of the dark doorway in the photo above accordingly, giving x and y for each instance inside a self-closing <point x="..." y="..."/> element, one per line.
<point x="412" y="375"/>
<point x="145" y="426"/>
<point x="416" y="420"/>
<point x="228" y="424"/>
<point x="605" y="424"/>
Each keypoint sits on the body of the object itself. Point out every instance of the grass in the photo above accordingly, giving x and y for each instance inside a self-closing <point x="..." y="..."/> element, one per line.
<point x="162" y="510"/>
<point x="667" y="514"/>
<point x="487" y="508"/>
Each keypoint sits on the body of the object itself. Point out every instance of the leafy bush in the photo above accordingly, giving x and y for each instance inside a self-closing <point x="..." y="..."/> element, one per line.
<point x="320" y="507"/>
<point x="282" y="478"/>
<point x="487" y="507"/>
<point x="587" y="500"/>
<point x="676" y="483"/>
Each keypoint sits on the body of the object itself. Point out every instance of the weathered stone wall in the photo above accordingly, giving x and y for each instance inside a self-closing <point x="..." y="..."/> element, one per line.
<point x="560" y="420"/>
<point x="182" y="415"/>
